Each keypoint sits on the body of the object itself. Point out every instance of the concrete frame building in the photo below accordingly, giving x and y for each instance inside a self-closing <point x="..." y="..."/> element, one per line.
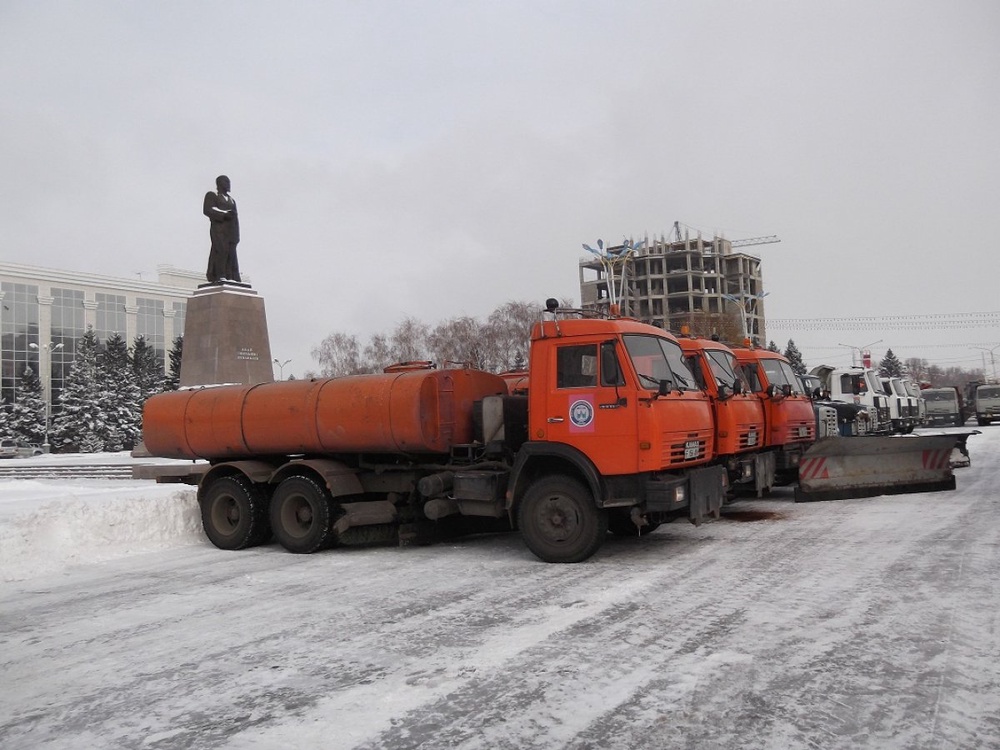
<point x="44" y="312"/>
<point x="668" y="284"/>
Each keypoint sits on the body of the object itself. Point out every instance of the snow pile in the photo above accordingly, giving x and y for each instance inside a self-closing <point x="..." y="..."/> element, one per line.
<point x="48" y="525"/>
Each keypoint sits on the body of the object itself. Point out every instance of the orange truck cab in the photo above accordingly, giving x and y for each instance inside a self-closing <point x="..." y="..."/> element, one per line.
<point x="790" y="425"/>
<point x="738" y="412"/>
<point x="614" y="413"/>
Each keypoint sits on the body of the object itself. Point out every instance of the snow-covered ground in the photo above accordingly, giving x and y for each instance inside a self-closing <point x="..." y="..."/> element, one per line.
<point x="859" y="623"/>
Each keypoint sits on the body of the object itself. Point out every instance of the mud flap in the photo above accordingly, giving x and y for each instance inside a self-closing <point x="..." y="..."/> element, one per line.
<point x="707" y="488"/>
<point x="837" y="468"/>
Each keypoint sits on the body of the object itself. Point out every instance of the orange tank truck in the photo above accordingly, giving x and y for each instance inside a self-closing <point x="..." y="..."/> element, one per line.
<point x="607" y="430"/>
<point x="739" y="414"/>
<point x="790" y="422"/>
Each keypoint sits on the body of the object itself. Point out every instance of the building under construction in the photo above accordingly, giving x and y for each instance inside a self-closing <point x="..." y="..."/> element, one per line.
<point x="700" y="283"/>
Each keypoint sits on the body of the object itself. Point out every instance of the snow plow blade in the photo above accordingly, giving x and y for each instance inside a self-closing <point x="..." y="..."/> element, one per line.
<point x="836" y="468"/>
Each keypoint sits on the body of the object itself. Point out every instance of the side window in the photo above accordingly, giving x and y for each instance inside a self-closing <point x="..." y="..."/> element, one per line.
<point x="611" y="371"/>
<point x="750" y="375"/>
<point x="576" y="366"/>
<point x="695" y="366"/>
<point x="846" y="384"/>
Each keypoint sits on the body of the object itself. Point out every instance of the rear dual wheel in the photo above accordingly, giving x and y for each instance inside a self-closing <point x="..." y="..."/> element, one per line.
<point x="302" y="515"/>
<point x="234" y="513"/>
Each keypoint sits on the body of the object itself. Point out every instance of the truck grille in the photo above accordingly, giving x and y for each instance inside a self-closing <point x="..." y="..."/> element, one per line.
<point x="750" y="439"/>
<point x="691" y="450"/>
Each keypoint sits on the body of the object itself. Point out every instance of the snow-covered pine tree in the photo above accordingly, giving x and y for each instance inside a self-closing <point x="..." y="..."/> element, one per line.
<point x="120" y="397"/>
<point x="772" y="347"/>
<point x="794" y="357"/>
<point x="173" y="380"/>
<point x="5" y="419"/>
<point x="890" y="366"/>
<point x="26" y="417"/>
<point x="78" y="424"/>
<point x="147" y="368"/>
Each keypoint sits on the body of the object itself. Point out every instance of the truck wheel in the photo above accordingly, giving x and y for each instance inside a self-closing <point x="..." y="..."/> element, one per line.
<point x="302" y="515"/>
<point x="234" y="514"/>
<point x="559" y="521"/>
<point x="620" y="524"/>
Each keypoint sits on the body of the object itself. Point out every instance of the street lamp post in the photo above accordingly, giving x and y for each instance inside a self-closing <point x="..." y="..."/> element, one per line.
<point x="746" y="303"/>
<point x="281" y="367"/>
<point x="45" y="367"/>
<point x="859" y="349"/>
<point x="993" y="361"/>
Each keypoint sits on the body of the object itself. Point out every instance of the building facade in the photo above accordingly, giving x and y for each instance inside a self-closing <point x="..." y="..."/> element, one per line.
<point x="44" y="313"/>
<point x="670" y="284"/>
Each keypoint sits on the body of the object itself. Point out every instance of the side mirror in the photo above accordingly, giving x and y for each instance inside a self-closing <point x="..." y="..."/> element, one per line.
<point x="772" y="389"/>
<point x="725" y="392"/>
<point x="664" y="388"/>
<point x="737" y="387"/>
<point x="786" y="389"/>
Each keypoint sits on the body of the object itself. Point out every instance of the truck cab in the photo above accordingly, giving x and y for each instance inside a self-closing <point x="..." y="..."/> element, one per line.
<point x="861" y="386"/>
<point x="902" y="408"/>
<point x="986" y="399"/>
<point x="943" y="406"/>
<point x="790" y="426"/>
<point x="616" y="422"/>
<point x="738" y="413"/>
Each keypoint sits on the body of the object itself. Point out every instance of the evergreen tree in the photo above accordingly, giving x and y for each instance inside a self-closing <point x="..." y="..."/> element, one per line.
<point x="79" y="423"/>
<point x="26" y="417"/>
<point x="5" y="419"/>
<point x="890" y="366"/>
<point x="794" y="357"/>
<point x="147" y="368"/>
<point x="772" y="347"/>
<point x="173" y="380"/>
<point x="119" y="395"/>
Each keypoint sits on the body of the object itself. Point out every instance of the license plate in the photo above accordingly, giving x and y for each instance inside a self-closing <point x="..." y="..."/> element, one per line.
<point x="691" y="449"/>
<point x="803" y="431"/>
<point x="752" y="437"/>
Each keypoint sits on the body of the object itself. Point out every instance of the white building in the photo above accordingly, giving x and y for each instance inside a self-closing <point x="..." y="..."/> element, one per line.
<point x="44" y="312"/>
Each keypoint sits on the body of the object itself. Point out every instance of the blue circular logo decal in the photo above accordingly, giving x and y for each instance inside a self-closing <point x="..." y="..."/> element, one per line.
<point x="581" y="413"/>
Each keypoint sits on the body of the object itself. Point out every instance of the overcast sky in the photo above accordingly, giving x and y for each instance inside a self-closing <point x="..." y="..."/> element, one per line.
<point x="462" y="151"/>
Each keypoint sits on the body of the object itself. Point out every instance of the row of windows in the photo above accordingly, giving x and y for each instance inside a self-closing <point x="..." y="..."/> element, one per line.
<point x="19" y="329"/>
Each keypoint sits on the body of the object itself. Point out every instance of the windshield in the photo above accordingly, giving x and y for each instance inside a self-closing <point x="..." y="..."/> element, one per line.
<point x="944" y="395"/>
<point x="780" y="373"/>
<point x="723" y="366"/>
<point x="988" y="392"/>
<point x="872" y="380"/>
<point x="897" y="386"/>
<point x="656" y="359"/>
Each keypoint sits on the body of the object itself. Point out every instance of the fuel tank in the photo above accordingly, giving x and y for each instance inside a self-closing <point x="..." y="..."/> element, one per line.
<point x="415" y="411"/>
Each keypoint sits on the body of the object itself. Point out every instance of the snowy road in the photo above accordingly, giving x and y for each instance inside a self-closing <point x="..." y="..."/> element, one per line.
<point x="859" y="623"/>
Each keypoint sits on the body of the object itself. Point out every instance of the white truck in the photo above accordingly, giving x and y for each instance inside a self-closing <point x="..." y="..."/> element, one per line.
<point x="986" y="400"/>
<point x="943" y="406"/>
<point x="860" y="386"/>
<point x="903" y="408"/>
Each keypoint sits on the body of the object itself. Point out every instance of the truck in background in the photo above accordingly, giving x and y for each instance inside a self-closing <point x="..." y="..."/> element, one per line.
<point x="943" y="406"/>
<point x="857" y="385"/>
<point x="984" y="401"/>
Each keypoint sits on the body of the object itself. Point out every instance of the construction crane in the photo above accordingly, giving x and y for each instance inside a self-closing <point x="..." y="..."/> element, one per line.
<point x="748" y="242"/>
<point x="756" y="241"/>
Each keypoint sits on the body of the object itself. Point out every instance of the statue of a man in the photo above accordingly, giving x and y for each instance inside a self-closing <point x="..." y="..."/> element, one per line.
<point x="224" y="229"/>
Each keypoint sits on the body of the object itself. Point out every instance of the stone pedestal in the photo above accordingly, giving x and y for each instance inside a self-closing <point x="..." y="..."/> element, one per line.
<point x="225" y="337"/>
